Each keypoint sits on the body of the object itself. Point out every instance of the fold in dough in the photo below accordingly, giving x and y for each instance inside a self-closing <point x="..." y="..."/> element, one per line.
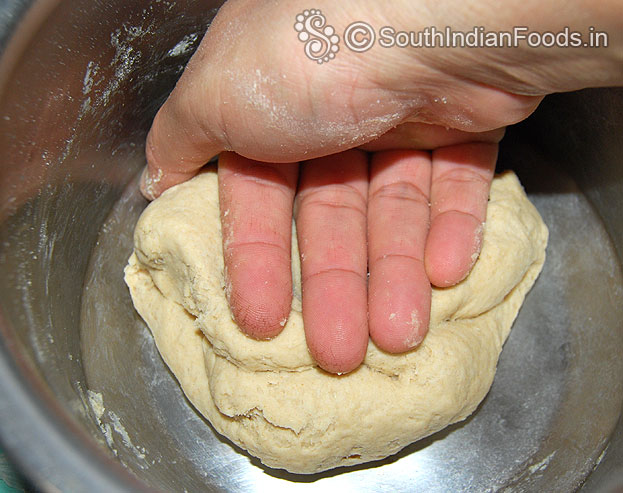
<point x="269" y="397"/>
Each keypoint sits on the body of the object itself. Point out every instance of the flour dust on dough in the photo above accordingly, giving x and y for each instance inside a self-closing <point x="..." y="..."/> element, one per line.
<point x="270" y="397"/>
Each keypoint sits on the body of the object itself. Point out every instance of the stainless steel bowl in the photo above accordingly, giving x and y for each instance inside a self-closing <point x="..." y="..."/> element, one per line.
<point x="87" y="404"/>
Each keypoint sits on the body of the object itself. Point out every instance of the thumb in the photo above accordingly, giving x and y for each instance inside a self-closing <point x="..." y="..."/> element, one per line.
<point x="175" y="152"/>
<point x="188" y="129"/>
<point x="185" y="134"/>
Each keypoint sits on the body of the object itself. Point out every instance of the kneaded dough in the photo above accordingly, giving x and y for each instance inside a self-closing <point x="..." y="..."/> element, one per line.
<point x="269" y="397"/>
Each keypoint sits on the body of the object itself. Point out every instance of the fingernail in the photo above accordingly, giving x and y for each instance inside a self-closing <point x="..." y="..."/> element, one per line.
<point x="478" y="235"/>
<point x="416" y="335"/>
<point x="149" y="183"/>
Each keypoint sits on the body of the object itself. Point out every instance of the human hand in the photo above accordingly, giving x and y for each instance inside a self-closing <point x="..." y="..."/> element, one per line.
<point x="256" y="94"/>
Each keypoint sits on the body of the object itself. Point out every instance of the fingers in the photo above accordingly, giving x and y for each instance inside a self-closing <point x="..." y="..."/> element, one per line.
<point x="461" y="178"/>
<point x="398" y="213"/>
<point x="331" y="225"/>
<point x="256" y="214"/>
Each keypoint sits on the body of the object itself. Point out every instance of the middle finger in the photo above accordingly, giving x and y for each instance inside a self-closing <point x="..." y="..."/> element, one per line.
<point x="331" y="224"/>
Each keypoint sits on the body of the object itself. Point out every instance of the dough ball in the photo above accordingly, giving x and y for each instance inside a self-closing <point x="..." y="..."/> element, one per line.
<point x="270" y="397"/>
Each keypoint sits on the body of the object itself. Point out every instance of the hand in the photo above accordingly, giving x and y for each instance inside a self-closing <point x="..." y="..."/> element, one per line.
<point x="256" y="94"/>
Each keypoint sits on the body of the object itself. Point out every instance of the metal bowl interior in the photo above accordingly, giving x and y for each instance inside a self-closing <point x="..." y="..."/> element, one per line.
<point x="88" y="403"/>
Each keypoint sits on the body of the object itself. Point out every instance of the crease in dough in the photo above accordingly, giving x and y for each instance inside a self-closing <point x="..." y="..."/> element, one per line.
<point x="269" y="397"/>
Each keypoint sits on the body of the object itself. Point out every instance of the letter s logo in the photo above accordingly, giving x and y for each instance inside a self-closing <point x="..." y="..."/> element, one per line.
<point x="321" y="44"/>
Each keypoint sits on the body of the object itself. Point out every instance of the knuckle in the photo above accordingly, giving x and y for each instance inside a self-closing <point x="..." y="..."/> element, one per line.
<point x="463" y="176"/>
<point x="339" y="196"/>
<point x="334" y="272"/>
<point x="273" y="248"/>
<point x="404" y="257"/>
<point x="400" y="191"/>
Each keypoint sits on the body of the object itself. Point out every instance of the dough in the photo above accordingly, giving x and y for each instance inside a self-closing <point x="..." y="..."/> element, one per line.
<point x="269" y="397"/>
